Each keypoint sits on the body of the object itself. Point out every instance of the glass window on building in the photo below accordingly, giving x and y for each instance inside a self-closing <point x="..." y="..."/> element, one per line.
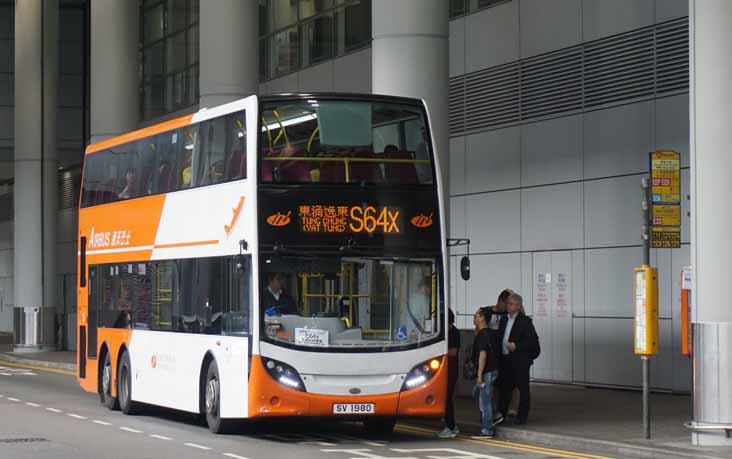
<point x="299" y="33"/>
<point x="168" y="55"/>
<point x="457" y="8"/>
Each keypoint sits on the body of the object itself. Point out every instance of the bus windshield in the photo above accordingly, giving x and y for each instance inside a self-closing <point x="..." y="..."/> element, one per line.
<point x="337" y="302"/>
<point x="344" y="141"/>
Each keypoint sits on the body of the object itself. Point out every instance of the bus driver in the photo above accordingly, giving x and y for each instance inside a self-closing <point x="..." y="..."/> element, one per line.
<point x="275" y="298"/>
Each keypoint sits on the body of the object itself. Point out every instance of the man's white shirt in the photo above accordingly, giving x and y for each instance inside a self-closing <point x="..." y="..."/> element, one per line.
<point x="507" y="333"/>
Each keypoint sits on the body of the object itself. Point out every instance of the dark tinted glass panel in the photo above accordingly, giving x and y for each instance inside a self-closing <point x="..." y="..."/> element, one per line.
<point x="196" y="295"/>
<point x="344" y="142"/>
<point x="202" y="154"/>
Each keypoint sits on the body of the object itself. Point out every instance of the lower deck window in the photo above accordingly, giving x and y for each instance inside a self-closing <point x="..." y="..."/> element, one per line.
<point x="194" y="295"/>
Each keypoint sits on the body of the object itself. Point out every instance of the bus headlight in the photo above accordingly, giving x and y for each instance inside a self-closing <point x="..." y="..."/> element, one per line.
<point x="284" y="374"/>
<point x="421" y="373"/>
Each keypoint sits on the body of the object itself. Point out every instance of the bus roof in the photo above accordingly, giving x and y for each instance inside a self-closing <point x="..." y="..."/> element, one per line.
<point x="186" y="120"/>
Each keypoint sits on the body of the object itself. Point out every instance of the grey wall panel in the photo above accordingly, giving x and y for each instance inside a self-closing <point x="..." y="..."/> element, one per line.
<point x="617" y="140"/>
<point x="548" y="26"/>
<point x="6" y="235"/>
<point x="6" y="305"/>
<point x="671" y="9"/>
<point x="491" y="274"/>
<point x="609" y="352"/>
<point x="685" y="206"/>
<point x="457" y="165"/>
<point x="7" y="95"/>
<point x="6" y="170"/>
<point x="493" y="160"/>
<point x="458" y="227"/>
<point x="492" y="37"/>
<point x="681" y="363"/>
<point x="541" y="271"/>
<point x="457" y="47"/>
<point x="70" y="124"/>
<point x="263" y="89"/>
<point x="7" y="21"/>
<point x="562" y="307"/>
<point x="672" y="125"/>
<point x="7" y="122"/>
<point x="601" y="18"/>
<point x="527" y="284"/>
<point x="69" y="91"/>
<point x="662" y="363"/>
<point x="578" y="284"/>
<point x="551" y="217"/>
<point x="6" y="263"/>
<point x="551" y="151"/>
<point x="352" y="73"/>
<point x="579" y="343"/>
<point x="289" y="83"/>
<point x="318" y="78"/>
<point x="71" y="59"/>
<point x="66" y="258"/>
<point x="610" y="273"/>
<point x="612" y="211"/>
<point x="494" y="221"/>
<point x="661" y="260"/>
<point x="66" y="225"/>
<point x="7" y="55"/>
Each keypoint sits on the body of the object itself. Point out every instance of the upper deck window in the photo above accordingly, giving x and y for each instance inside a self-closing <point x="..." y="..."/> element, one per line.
<point x="342" y="141"/>
<point x="206" y="153"/>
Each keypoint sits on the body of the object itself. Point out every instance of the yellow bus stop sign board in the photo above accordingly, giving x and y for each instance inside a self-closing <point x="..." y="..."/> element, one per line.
<point x="666" y="215"/>
<point x="665" y="177"/>
<point x="665" y="199"/>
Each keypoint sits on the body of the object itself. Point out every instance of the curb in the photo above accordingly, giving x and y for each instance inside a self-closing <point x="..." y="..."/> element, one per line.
<point x="38" y="363"/>
<point x="597" y="446"/>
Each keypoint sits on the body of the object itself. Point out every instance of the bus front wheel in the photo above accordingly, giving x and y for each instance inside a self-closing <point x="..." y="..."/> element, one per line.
<point x="124" y="385"/>
<point x="212" y="401"/>
<point x="379" y="426"/>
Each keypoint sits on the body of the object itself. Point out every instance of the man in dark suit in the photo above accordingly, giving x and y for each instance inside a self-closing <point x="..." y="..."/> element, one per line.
<point x="519" y="348"/>
<point x="275" y="297"/>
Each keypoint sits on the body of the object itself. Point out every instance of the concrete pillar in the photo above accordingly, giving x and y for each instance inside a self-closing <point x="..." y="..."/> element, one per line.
<point x="410" y="58"/>
<point x="115" y="99"/>
<point x="35" y="189"/>
<point x="711" y="246"/>
<point x="229" y="50"/>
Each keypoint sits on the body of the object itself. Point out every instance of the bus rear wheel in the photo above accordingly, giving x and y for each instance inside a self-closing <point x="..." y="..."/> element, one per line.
<point x="105" y="391"/>
<point x="212" y="401"/>
<point x="124" y="385"/>
<point x="379" y="426"/>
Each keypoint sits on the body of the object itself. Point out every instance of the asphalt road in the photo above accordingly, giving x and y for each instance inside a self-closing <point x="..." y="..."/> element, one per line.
<point x="46" y="415"/>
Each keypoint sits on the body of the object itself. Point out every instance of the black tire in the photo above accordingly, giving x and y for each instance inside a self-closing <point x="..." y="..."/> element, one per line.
<point x="124" y="385"/>
<point x="379" y="426"/>
<point x="105" y="385"/>
<point x="211" y="396"/>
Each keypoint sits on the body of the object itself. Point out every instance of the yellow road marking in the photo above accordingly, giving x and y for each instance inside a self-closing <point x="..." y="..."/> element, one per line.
<point x="509" y="445"/>
<point x="36" y="367"/>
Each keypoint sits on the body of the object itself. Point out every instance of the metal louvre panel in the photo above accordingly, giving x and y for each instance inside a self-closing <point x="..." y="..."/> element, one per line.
<point x="492" y="97"/>
<point x="619" y="68"/>
<point x="456" y="105"/>
<point x="636" y="65"/>
<point x="551" y="83"/>
<point x="672" y="56"/>
<point x="66" y="192"/>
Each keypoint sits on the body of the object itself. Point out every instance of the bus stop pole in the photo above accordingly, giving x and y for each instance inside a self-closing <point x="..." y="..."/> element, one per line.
<point x="645" y="360"/>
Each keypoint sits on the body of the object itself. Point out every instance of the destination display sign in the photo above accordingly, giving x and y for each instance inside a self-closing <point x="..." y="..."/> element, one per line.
<point x="318" y="217"/>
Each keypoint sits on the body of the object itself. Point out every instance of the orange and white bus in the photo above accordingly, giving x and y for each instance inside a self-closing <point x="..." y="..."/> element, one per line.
<point x="271" y="257"/>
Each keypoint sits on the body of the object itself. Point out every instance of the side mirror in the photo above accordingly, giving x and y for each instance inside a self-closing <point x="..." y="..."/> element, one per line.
<point x="465" y="268"/>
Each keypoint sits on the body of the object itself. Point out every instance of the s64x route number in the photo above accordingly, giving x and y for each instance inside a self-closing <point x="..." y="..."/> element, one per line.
<point x="371" y="219"/>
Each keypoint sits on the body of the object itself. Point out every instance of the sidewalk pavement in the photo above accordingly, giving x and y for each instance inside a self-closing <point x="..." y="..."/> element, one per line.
<point x="603" y="421"/>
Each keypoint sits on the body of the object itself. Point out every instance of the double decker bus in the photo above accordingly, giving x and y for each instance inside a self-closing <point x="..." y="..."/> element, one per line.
<point x="271" y="257"/>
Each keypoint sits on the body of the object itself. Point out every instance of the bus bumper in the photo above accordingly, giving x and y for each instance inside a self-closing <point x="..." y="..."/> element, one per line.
<point x="268" y="398"/>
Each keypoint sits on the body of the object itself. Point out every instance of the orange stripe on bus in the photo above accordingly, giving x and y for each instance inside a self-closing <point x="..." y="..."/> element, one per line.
<point x="140" y="133"/>
<point x="185" y="244"/>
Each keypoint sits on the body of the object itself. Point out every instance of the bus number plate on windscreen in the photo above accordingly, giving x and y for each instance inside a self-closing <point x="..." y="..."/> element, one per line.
<point x="353" y="408"/>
